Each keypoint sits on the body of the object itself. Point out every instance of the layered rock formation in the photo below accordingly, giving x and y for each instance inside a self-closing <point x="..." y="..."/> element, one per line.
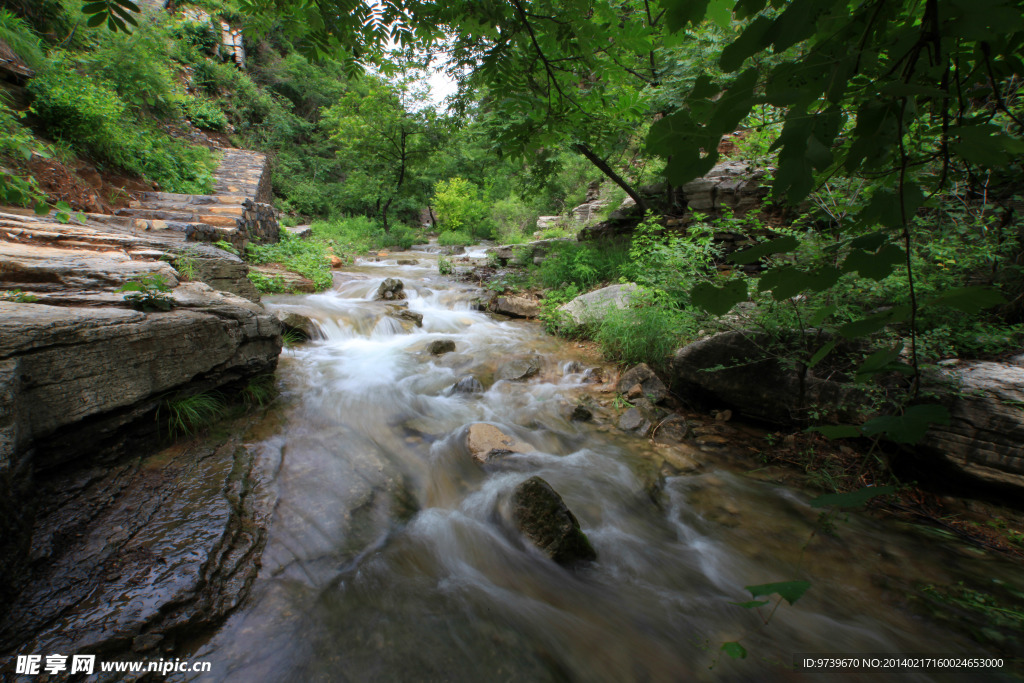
<point x="87" y="380"/>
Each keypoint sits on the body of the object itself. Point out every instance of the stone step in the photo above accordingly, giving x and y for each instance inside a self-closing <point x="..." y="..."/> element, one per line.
<point x="225" y="220"/>
<point x="218" y="209"/>
<point x="191" y="199"/>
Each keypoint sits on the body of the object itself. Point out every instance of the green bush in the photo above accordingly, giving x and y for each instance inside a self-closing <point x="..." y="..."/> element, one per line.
<point x="584" y="265"/>
<point x="206" y="115"/>
<point x="648" y="331"/>
<point x="460" y="208"/>
<point x="89" y="116"/>
<point x="455" y="238"/>
<point x="309" y="258"/>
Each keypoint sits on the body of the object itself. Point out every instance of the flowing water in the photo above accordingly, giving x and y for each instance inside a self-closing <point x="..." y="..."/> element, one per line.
<point x="391" y="556"/>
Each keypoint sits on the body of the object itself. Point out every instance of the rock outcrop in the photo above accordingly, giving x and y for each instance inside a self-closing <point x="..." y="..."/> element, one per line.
<point x="986" y="430"/>
<point x="542" y="516"/>
<point x="83" y="373"/>
<point x="391" y="289"/>
<point x="746" y="371"/>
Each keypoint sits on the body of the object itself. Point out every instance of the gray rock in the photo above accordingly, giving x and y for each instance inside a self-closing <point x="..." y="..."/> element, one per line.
<point x="301" y="231"/>
<point x="440" y="347"/>
<point x="633" y="420"/>
<point x="516" y="305"/>
<point x="407" y="262"/>
<point x="408" y="316"/>
<point x="390" y="290"/>
<point x="641" y="382"/>
<point x="467" y="385"/>
<point x="751" y="379"/>
<point x="542" y="516"/>
<point x="590" y="308"/>
<point x="298" y="323"/>
<point x="520" y="369"/>
<point x="581" y="414"/>
<point x="986" y="429"/>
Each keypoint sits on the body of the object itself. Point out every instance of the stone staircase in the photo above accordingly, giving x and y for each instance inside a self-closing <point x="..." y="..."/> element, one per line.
<point x="238" y="212"/>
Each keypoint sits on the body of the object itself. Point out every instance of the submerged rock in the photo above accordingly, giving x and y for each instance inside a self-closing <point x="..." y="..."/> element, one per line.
<point x="542" y="516"/>
<point x="641" y="382"/>
<point x="520" y="369"/>
<point x="407" y="262"/>
<point x="467" y="385"/>
<point x="404" y="314"/>
<point x="391" y="289"/>
<point x="485" y="442"/>
<point x="440" y="347"/>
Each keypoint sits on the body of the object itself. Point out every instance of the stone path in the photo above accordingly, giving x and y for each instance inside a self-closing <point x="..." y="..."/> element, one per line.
<point x="238" y="211"/>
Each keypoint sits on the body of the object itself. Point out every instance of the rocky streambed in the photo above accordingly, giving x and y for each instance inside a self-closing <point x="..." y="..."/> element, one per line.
<point x="445" y="494"/>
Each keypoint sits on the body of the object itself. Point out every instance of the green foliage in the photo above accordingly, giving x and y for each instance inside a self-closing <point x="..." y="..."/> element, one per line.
<point x="226" y="246"/>
<point x="648" y="331"/>
<point x="267" y="284"/>
<point x="148" y="293"/>
<point x="309" y="258"/>
<point x="116" y="14"/>
<point x="292" y="337"/>
<point x="360" y="234"/>
<point x="92" y="118"/>
<point x="17" y="296"/>
<point x="461" y="209"/>
<point x="187" y="415"/>
<point x="444" y="265"/>
<point x="259" y="391"/>
<point x="582" y="264"/>
<point x="205" y="114"/>
<point x="22" y="40"/>
<point x="455" y="238"/>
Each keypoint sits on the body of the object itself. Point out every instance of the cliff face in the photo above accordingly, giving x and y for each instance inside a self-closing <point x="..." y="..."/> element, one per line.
<point x="83" y="374"/>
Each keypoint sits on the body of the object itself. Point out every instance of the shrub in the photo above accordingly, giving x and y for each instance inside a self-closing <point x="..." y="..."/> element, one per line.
<point x="460" y="208"/>
<point x="206" y="114"/>
<point x="309" y="258"/>
<point x="584" y="265"/>
<point x="454" y="238"/>
<point x="648" y="331"/>
<point x="91" y="117"/>
<point x="16" y="32"/>
<point x="189" y="414"/>
<point x="266" y="284"/>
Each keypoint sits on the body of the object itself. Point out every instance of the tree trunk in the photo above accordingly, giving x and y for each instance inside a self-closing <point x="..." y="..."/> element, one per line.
<point x="610" y="172"/>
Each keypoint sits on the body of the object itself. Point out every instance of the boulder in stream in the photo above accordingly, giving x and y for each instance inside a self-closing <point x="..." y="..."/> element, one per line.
<point x="486" y="442"/>
<point x="516" y="305"/>
<point x="542" y="516"/>
<point x="520" y="369"/>
<point x="298" y="323"/>
<point x="592" y="307"/>
<point x="467" y="385"/>
<point x="439" y="347"/>
<point x="391" y="289"/>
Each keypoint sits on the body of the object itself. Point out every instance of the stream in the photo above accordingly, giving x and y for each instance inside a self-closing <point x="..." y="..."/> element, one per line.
<point x="391" y="555"/>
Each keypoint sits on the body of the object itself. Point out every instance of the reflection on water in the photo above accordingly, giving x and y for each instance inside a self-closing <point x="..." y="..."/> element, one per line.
<point x="391" y="556"/>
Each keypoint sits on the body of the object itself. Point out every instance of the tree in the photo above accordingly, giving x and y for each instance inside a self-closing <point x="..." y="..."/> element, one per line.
<point x="383" y="135"/>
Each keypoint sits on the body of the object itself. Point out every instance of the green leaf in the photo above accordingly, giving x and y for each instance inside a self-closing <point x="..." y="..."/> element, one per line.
<point x="790" y="591"/>
<point x="911" y="426"/>
<point x="873" y="323"/>
<point x="679" y="13"/>
<point x="832" y="432"/>
<point x="64" y="206"/>
<point x="97" y="19"/>
<point x="851" y="499"/>
<point x="874" y="266"/>
<point x="754" y="38"/>
<point x="968" y="299"/>
<point x="821" y="315"/>
<point x="95" y="7"/>
<point x="41" y="208"/>
<point x="719" y="300"/>
<point x="720" y="12"/>
<point x="734" y="650"/>
<point x="787" y="281"/>
<point x="757" y="252"/>
<point x="820" y="354"/>
<point x="879" y="361"/>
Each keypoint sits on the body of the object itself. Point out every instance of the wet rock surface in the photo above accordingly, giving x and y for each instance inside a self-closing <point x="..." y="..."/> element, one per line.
<point x="391" y="289"/>
<point x="741" y="369"/>
<point x="467" y="385"/>
<point x="128" y="554"/>
<point x="486" y="442"/>
<point x="298" y="323"/>
<point x="520" y="369"/>
<point x="542" y="516"/>
<point x="439" y="347"/>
